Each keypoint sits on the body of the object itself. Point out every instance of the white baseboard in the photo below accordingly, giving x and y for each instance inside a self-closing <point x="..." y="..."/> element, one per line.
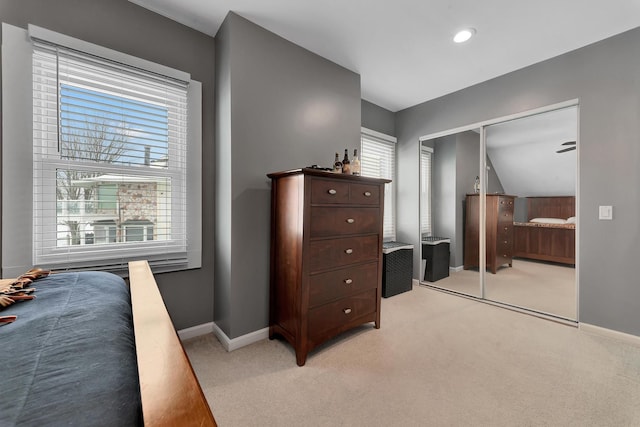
<point x="456" y="269"/>
<point x="415" y="282"/>
<point x="597" y="330"/>
<point x="236" y="343"/>
<point x="195" y="331"/>
<point x="228" y="343"/>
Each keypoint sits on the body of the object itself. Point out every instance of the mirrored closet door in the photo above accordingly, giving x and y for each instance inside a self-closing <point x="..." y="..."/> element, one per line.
<point x="449" y="168"/>
<point x="523" y="255"/>
<point x="533" y="214"/>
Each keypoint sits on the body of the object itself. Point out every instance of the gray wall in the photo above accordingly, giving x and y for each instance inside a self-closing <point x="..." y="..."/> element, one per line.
<point x="604" y="77"/>
<point x="520" y="210"/>
<point x="443" y="185"/>
<point x="494" y="185"/>
<point x="377" y="118"/>
<point x="123" y="26"/>
<point x="280" y="107"/>
<point x="467" y="165"/>
<point x="223" y="163"/>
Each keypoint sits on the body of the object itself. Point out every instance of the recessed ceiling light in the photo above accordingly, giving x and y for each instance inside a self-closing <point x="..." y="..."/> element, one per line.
<point x="464" y="35"/>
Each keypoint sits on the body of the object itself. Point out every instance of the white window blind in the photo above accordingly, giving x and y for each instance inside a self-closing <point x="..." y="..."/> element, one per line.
<point x="378" y="160"/>
<point x="109" y="162"/>
<point x="425" y="191"/>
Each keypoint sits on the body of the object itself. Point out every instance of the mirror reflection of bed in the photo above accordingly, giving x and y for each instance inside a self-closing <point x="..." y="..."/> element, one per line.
<point x="542" y="272"/>
<point x="543" y="258"/>
<point x="549" y="232"/>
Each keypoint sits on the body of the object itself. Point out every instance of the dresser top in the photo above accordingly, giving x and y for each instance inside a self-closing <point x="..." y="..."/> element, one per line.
<point x="326" y="174"/>
<point x="493" y="195"/>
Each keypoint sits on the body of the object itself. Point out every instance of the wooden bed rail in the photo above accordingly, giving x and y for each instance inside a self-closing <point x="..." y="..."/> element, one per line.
<point x="170" y="392"/>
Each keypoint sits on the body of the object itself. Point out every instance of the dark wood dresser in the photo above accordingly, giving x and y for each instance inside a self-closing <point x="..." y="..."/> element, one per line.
<point x="326" y="255"/>
<point x="499" y="242"/>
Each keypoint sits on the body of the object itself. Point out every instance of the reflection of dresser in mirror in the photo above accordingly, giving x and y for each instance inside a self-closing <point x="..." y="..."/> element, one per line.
<point x="499" y="219"/>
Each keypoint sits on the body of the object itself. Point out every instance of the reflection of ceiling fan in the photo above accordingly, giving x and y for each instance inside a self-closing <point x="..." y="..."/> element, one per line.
<point x="564" y="150"/>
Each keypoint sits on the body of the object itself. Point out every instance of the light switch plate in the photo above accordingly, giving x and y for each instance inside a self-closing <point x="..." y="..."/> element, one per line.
<point x="605" y="212"/>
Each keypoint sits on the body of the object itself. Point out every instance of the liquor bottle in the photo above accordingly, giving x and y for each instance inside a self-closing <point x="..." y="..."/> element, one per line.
<point x="355" y="163"/>
<point x="346" y="164"/>
<point x="337" y="164"/>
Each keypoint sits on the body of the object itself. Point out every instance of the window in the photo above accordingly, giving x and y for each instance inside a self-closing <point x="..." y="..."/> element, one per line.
<point x="116" y="168"/>
<point x="104" y="232"/>
<point x="138" y="231"/>
<point x="378" y="160"/>
<point x="426" y="155"/>
<point x="107" y="197"/>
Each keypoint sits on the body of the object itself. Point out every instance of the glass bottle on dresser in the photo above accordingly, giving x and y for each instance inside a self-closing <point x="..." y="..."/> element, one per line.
<point x="355" y="163"/>
<point x="337" y="164"/>
<point x="346" y="164"/>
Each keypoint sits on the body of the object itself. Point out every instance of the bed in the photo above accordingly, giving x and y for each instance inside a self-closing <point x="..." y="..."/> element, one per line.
<point x="549" y="233"/>
<point x="90" y="350"/>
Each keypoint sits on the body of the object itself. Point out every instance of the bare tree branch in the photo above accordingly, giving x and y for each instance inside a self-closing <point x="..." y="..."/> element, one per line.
<point x="97" y="140"/>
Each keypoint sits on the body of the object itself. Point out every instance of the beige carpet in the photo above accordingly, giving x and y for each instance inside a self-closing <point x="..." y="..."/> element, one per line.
<point x="543" y="287"/>
<point x="438" y="360"/>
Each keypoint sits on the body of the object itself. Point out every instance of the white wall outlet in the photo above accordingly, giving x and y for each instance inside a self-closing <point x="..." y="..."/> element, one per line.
<point x="605" y="212"/>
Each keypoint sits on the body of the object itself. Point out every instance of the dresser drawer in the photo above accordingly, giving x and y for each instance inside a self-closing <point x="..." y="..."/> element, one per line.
<point x="330" y="221"/>
<point x="364" y="194"/>
<point x="335" y="315"/>
<point x="505" y="229"/>
<point x="324" y="191"/>
<point x="504" y="242"/>
<point x="505" y="217"/>
<point x="339" y="283"/>
<point x="505" y="210"/>
<point x="331" y="253"/>
<point x="327" y="192"/>
<point x="504" y="248"/>
<point x="506" y="204"/>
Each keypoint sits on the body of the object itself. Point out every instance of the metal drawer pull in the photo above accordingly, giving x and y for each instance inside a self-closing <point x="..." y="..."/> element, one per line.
<point x="348" y="251"/>
<point x="367" y="193"/>
<point x="348" y="281"/>
<point x="332" y="191"/>
<point x="351" y="220"/>
<point x="346" y="310"/>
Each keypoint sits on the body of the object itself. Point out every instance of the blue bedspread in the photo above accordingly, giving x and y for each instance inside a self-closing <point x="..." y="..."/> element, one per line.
<point x="69" y="359"/>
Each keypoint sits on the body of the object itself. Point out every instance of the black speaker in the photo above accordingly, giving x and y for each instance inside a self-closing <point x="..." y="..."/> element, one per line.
<point x="397" y="268"/>
<point x="435" y="252"/>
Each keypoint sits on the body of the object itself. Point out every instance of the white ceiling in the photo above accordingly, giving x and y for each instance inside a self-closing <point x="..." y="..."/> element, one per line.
<point x="403" y="50"/>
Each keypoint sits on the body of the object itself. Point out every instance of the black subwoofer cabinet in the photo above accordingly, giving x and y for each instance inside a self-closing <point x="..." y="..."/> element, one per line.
<point x="397" y="268"/>
<point x="435" y="253"/>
